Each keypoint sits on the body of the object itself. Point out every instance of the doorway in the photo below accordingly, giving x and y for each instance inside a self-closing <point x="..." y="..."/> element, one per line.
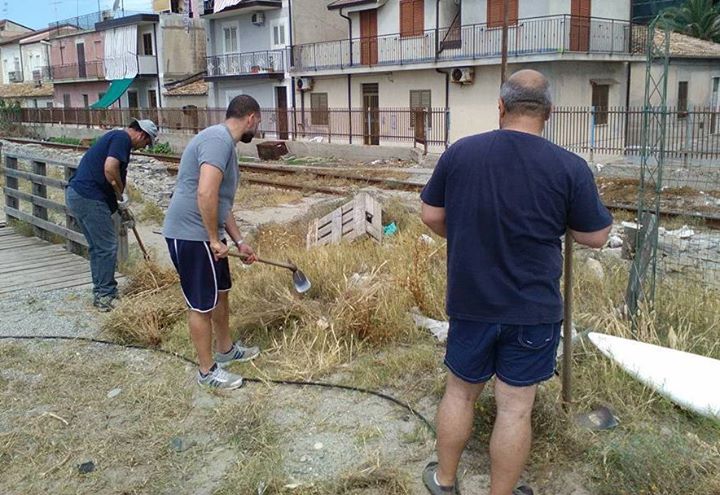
<point x="371" y="113"/>
<point x="282" y="113"/>
<point x="368" y="37"/>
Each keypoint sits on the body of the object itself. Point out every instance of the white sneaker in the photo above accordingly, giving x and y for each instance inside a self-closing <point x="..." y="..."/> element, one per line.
<point x="236" y="353"/>
<point x="219" y="378"/>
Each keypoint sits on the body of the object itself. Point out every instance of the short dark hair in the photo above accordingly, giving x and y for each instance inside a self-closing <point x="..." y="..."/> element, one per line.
<point x="241" y="106"/>
<point x="526" y="99"/>
<point x="136" y="127"/>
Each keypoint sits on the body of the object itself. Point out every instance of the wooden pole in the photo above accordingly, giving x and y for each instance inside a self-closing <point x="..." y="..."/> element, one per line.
<point x="567" y="322"/>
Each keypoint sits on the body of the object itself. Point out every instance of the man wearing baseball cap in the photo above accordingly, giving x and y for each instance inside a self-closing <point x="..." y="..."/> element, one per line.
<point x="96" y="191"/>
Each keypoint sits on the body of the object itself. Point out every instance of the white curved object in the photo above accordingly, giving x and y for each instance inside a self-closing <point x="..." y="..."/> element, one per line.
<point x="688" y="380"/>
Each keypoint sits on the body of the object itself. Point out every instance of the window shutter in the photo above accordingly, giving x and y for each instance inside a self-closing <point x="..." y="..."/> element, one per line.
<point x="495" y="15"/>
<point x="418" y="17"/>
<point x="406" y="18"/>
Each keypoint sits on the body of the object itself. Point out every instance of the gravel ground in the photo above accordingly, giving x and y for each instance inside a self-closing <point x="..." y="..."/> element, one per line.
<point x="64" y="312"/>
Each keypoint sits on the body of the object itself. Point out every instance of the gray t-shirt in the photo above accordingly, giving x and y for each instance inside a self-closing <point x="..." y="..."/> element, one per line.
<point x="214" y="146"/>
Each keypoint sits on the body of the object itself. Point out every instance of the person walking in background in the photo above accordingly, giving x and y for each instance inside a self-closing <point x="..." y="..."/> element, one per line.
<point x="95" y="192"/>
<point x="504" y="199"/>
<point x="197" y="221"/>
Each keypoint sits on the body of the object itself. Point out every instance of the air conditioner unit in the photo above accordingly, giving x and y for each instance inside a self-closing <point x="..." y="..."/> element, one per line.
<point x="258" y="18"/>
<point x="304" y="83"/>
<point x="464" y="75"/>
<point x="15" y="76"/>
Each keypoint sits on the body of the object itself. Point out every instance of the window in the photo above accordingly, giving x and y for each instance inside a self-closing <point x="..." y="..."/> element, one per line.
<point x="600" y="99"/>
<point x="67" y="103"/>
<point x="152" y="98"/>
<point x="231" y="40"/>
<point x="412" y="18"/>
<point x="319" y="114"/>
<point x="419" y="100"/>
<point x="682" y="99"/>
<point x="147" y="44"/>
<point x="100" y="96"/>
<point x="86" y="101"/>
<point x="133" y="99"/>
<point x="49" y="104"/>
<point x="278" y="35"/>
<point x="496" y="14"/>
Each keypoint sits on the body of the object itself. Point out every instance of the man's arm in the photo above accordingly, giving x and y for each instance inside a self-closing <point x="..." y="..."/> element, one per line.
<point x="434" y="218"/>
<point x="234" y="232"/>
<point x="112" y="175"/>
<point x="208" y="198"/>
<point x="595" y="239"/>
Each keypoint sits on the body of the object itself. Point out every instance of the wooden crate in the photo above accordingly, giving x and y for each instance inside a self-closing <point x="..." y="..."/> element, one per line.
<point x="358" y="218"/>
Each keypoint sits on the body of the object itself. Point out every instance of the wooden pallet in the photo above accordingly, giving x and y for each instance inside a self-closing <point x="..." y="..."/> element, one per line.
<point x="354" y="220"/>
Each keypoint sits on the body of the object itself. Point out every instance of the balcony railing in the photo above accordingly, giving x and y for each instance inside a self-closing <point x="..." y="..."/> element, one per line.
<point x="88" y="70"/>
<point x="87" y="22"/>
<point x="240" y="64"/>
<point x="41" y="73"/>
<point x="530" y="36"/>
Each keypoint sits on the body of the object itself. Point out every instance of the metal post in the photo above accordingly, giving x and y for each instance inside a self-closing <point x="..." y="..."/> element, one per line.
<point x="592" y="134"/>
<point x="567" y="322"/>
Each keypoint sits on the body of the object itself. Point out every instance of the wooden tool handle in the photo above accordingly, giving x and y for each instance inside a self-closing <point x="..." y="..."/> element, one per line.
<point x="267" y="262"/>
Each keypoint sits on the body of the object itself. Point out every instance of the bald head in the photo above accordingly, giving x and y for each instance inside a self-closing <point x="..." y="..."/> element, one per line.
<point x="526" y="92"/>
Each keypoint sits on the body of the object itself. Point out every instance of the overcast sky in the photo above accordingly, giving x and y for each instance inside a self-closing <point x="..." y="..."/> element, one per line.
<point x="37" y="14"/>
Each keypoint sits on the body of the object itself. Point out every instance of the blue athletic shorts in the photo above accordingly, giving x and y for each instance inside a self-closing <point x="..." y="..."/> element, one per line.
<point x="201" y="277"/>
<point x="520" y="355"/>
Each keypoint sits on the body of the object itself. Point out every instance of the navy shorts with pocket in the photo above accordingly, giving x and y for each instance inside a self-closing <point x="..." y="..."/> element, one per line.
<point x="520" y="355"/>
<point x="201" y="277"/>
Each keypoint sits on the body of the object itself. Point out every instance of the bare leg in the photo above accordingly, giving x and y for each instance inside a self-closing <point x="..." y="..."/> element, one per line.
<point x="454" y="425"/>
<point x="221" y="323"/>
<point x="511" y="436"/>
<point x="201" y="335"/>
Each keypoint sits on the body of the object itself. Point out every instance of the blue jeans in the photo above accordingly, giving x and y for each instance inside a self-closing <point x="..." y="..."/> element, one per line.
<point x="94" y="217"/>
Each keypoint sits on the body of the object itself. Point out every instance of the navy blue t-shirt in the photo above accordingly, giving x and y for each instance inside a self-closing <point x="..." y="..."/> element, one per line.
<point x="89" y="181"/>
<point x="509" y="197"/>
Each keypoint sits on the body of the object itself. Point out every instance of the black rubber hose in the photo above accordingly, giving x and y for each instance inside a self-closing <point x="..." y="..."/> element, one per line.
<point x="297" y="383"/>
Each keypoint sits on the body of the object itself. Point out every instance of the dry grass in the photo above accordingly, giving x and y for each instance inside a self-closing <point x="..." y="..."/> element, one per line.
<point x="251" y="196"/>
<point x="352" y="327"/>
<point x="151" y="305"/>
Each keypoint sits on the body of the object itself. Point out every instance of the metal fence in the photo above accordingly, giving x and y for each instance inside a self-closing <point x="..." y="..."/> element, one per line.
<point x="690" y="134"/>
<point x="357" y="125"/>
<point x="529" y="36"/>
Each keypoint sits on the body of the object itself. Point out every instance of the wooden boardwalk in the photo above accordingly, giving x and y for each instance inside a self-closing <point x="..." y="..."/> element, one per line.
<point x="31" y="263"/>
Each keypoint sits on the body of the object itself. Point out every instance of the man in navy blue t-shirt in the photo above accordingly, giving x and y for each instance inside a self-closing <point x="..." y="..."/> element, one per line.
<point x="504" y="199"/>
<point x="93" y="195"/>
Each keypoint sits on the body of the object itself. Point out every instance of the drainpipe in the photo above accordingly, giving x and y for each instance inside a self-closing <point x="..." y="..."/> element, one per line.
<point x="447" y="103"/>
<point x="349" y="35"/>
<point x="292" y="78"/>
<point x="349" y="76"/>
<point x="157" y="68"/>
<point x="437" y="28"/>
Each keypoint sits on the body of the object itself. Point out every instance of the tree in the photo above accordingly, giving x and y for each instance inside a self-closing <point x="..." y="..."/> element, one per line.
<point x="697" y="18"/>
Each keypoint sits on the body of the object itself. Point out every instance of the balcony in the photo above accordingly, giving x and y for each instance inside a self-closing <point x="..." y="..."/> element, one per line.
<point x="41" y="73"/>
<point x="147" y="65"/>
<point x="264" y="64"/>
<point x="550" y="35"/>
<point x="15" y="76"/>
<point x="70" y="72"/>
<point x="86" y="22"/>
<point x="238" y="5"/>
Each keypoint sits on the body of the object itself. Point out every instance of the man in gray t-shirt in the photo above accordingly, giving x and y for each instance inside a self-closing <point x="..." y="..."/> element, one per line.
<point x="196" y="226"/>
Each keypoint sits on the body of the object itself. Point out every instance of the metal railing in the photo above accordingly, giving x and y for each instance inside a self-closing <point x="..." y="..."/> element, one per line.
<point x="357" y="125"/>
<point x="235" y="64"/>
<point x="530" y="36"/>
<point x="692" y="133"/>
<point x="87" y="22"/>
<point x="88" y="70"/>
<point x="41" y="73"/>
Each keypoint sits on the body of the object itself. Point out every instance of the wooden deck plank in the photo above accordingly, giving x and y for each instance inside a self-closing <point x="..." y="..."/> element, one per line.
<point x="31" y="263"/>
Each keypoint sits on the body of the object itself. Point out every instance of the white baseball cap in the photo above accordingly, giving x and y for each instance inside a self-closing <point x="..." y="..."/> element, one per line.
<point x="149" y="127"/>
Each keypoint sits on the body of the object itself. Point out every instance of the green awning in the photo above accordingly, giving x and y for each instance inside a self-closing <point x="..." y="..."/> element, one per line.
<point x="115" y="91"/>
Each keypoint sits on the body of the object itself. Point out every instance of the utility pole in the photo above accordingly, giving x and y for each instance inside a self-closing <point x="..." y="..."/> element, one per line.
<point x="503" y="65"/>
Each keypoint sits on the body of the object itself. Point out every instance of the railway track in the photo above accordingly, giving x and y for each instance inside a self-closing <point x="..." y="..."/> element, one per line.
<point x="257" y="171"/>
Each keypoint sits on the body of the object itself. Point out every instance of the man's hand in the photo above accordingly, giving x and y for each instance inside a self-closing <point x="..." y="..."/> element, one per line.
<point x="219" y="249"/>
<point x="123" y="202"/>
<point x="248" y="254"/>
